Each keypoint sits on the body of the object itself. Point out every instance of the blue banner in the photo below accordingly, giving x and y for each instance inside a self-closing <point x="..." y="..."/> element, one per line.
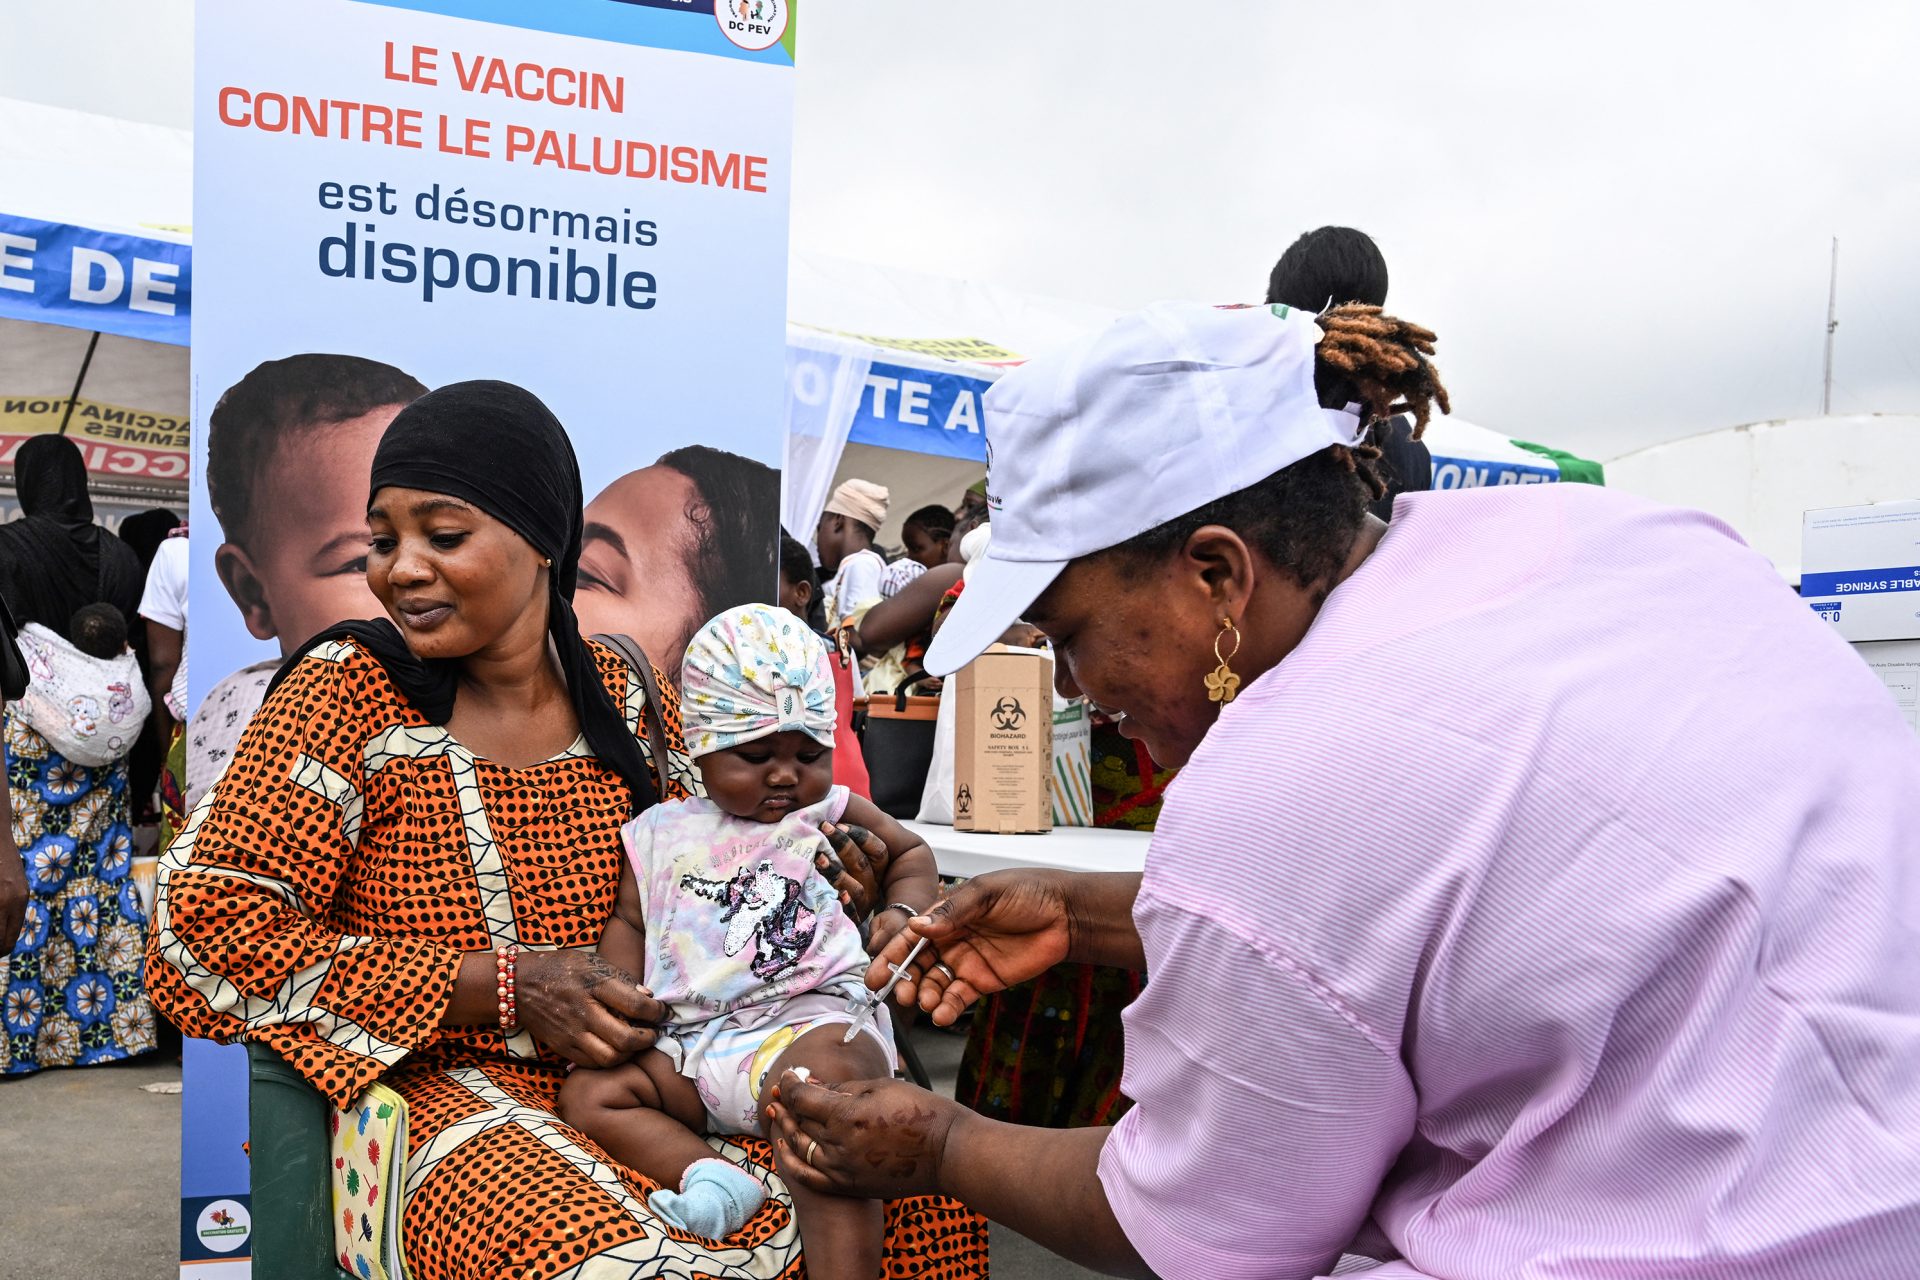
<point x="1860" y="582"/>
<point x="95" y="280"/>
<point x="922" y="412"/>
<point x="1474" y="473"/>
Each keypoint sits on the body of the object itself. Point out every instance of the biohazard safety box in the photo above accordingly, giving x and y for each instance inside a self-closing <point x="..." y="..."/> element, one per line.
<point x="1003" y="743"/>
<point x="1860" y="569"/>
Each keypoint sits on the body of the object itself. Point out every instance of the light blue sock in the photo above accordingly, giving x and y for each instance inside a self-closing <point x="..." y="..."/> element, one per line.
<point x="715" y="1199"/>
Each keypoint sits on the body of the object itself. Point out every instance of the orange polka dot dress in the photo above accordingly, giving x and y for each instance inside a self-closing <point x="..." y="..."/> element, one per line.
<point x="320" y="899"/>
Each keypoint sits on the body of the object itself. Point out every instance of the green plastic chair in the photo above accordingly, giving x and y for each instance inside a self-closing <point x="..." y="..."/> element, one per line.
<point x="287" y="1146"/>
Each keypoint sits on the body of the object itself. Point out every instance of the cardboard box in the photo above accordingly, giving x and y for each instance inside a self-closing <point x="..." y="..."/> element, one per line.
<point x="1897" y="663"/>
<point x="1860" y="569"/>
<point x="1003" y="743"/>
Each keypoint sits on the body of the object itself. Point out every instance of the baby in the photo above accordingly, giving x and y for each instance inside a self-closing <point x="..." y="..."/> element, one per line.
<point x="721" y="910"/>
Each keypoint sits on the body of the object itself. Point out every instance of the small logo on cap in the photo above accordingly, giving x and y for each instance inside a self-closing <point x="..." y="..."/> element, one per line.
<point x="753" y="24"/>
<point x="1008" y="714"/>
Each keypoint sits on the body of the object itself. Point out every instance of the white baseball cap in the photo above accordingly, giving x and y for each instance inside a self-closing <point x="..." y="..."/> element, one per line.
<point x="1164" y="411"/>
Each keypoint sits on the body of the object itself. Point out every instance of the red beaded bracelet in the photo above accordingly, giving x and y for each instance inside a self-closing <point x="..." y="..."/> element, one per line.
<point x="509" y="1010"/>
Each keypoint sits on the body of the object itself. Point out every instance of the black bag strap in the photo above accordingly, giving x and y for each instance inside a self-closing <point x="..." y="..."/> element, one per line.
<point x="655" y="719"/>
<point x="905" y="686"/>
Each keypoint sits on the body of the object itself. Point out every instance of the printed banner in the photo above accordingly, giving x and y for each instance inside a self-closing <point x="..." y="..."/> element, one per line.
<point x="116" y="441"/>
<point x="587" y="198"/>
<point x="1472" y="473"/>
<point x="129" y="285"/>
<point x="922" y="411"/>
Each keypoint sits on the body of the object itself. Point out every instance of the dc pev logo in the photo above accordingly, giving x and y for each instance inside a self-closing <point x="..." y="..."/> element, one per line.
<point x="1008" y="714"/>
<point x="753" y="24"/>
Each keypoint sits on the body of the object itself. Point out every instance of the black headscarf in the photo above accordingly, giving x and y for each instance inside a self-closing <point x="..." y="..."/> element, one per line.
<point x="56" y="560"/>
<point x="144" y="531"/>
<point x="495" y="445"/>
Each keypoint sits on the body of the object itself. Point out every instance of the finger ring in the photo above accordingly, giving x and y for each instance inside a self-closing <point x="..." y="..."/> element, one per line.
<point x="943" y="968"/>
<point x="813" y="1144"/>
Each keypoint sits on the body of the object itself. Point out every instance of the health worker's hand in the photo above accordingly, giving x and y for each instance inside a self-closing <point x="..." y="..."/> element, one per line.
<point x="994" y="931"/>
<point x="881" y="1139"/>
<point x="584" y="1009"/>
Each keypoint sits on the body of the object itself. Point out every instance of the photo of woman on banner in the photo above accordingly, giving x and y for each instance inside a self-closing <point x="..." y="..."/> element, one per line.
<point x="674" y="544"/>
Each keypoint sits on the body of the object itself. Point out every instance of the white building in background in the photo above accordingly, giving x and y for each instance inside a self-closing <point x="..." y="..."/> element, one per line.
<point x="1763" y="477"/>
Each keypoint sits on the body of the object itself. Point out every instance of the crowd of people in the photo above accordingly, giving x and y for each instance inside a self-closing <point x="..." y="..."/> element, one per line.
<point x="1493" y="925"/>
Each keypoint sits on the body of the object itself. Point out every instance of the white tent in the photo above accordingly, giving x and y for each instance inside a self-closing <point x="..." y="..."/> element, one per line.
<point x="1763" y="477"/>
<point x="887" y="366"/>
<point x="95" y="279"/>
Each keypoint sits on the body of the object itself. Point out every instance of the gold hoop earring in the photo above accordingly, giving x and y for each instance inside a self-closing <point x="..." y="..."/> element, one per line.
<point x="1223" y="686"/>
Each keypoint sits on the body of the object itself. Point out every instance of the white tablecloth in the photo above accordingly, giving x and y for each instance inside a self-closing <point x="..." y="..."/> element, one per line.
<point x="970" y="853"/>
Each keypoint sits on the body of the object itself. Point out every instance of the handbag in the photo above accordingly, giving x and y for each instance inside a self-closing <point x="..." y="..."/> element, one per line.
<point x="899" y="746"/>
<point x="849" y="718"/>
<point x="665" y="760"/>
<point x="368" y="1144"/>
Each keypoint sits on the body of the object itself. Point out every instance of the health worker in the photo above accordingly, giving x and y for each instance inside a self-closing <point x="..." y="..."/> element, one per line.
<point x="1539" y="895"/>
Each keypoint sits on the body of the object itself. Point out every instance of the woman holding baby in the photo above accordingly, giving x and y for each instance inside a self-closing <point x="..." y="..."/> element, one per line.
<point x="405" y="872"/>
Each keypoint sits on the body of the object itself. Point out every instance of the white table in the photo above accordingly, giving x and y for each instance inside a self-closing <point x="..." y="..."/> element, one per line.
<point x="972" y="853"/>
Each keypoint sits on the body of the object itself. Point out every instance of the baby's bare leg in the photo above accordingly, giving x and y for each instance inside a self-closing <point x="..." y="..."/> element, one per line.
<point x="842" y="1238"/>
<point x="647" y="1115"/>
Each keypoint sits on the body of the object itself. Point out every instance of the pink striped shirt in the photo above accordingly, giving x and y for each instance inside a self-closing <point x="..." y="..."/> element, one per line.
<point x="1552" y="911"/>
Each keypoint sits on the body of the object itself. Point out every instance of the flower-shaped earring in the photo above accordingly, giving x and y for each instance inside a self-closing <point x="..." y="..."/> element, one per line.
<point x="1223" y="686"/>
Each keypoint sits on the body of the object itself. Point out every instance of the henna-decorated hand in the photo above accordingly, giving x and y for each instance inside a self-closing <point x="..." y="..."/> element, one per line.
<point x="584" y="1009"/>
<point x="877" y="1138"/>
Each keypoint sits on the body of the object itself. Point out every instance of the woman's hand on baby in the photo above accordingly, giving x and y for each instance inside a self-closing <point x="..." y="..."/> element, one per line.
<point x="855" y="867"/>
<point x="886" y="926"/>
<point x="584" y="1009"/>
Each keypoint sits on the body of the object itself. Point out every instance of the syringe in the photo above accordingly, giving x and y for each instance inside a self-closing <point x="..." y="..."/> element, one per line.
<point x="877" y="998"/>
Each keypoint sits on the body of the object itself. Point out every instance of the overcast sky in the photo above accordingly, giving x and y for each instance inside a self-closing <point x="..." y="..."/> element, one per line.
<point x="1616" y="217"/>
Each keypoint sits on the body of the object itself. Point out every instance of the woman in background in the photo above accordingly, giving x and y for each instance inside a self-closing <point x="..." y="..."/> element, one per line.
<point x="73" y="985"/>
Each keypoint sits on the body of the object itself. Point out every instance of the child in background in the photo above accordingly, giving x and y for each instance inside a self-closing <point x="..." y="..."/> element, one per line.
<point x="86" y="697"/>
<point x="721" y="910"/>
<point x="99" y="631"/>
<point x="927" y="533"/>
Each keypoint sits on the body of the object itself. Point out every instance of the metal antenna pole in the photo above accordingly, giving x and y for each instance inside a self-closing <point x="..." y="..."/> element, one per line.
<point x="1833" y="289"/>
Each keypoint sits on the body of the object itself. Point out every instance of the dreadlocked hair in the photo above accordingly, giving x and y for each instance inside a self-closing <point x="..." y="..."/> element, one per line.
<point x="1304" y="518"/>
<point x="1385" y="362"/>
